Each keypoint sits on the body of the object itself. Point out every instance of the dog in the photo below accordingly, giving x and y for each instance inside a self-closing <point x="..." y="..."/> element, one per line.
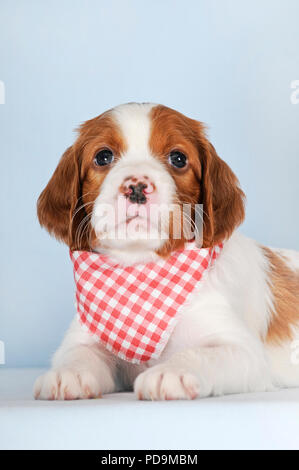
<point x="237" y="332"/>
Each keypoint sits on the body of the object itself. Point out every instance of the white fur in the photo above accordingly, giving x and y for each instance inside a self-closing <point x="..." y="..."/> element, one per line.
<point x="218" y="344"/>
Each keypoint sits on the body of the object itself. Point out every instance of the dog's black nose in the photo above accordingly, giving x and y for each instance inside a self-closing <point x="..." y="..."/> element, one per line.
<point x="137" y="193"/>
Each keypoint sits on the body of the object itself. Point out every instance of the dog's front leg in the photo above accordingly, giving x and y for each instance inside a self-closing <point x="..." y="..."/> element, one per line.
<point x="231" y="361"/>
<point x="203" y="372"/>
<point x="80" y="369"/>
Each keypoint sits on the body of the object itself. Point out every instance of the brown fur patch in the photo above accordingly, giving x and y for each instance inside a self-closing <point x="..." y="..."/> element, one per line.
<point x="284" y="283"/>
<point x="206" y="180"/>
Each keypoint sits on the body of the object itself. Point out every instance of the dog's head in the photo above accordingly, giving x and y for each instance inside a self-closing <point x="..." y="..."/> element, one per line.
<point x="125" y="181"/>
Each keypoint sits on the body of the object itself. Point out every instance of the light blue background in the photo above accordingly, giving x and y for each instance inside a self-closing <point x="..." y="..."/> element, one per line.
<point x="227" y="63"/>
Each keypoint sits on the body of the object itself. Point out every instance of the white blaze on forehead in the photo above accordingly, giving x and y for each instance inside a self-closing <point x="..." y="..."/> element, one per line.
<point x="135" y="125"/>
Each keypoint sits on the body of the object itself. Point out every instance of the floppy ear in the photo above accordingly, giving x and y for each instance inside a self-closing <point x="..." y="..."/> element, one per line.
<point x="221" y="196"/>
<point x="57" y="205"/>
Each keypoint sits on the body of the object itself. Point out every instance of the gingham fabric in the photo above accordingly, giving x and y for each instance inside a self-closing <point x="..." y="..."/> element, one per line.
<point x="134" y="309"/>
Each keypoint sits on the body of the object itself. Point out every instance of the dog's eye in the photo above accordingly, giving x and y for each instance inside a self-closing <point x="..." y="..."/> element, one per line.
<point x="177" y="159"/>
<point x="104" y="157"/>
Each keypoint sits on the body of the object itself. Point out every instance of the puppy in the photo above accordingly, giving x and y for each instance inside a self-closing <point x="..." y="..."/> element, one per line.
<point x="237" y="331"/>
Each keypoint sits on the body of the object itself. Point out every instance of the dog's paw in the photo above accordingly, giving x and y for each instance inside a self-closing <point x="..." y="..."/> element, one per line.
<point x="66" y="385"/>
<point x="163" y="383"/>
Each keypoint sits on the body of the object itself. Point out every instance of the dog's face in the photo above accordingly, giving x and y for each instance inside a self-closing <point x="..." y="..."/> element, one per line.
<point x="126" y="181"/>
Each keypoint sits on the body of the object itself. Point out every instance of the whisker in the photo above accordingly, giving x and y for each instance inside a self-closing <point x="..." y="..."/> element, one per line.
<point x="80" y="208"/>
<point x="81" y="229"/>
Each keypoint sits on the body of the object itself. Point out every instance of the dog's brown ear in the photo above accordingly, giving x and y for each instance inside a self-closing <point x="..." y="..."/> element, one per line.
<point x="221" y="196"/>
<point x="56" y="207"/>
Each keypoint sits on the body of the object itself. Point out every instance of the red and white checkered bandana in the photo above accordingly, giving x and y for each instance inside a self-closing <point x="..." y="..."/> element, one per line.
<point x="134" y="309"/>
